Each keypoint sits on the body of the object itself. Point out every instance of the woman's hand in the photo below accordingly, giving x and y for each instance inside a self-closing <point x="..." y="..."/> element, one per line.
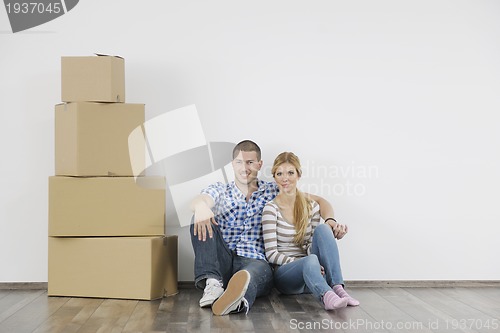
<point x="322" y="270"/>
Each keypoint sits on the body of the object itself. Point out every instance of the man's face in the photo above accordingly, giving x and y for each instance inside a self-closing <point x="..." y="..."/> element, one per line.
<point x="246" y="167"/>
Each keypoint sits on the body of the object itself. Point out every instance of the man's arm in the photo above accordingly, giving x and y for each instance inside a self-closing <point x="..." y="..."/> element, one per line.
<point x="326" y="211"/>
<point x="325" y="208"/>
<point x="203" y="216"/>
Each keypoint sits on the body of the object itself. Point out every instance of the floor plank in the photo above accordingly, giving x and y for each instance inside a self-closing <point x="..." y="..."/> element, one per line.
<point x="460" y="312"/>
<point x="32" y="315"/>
<point x="493" y="293"/>
<point x="179" y="314"/>
<point x="15" y="301"/>
<point x="354" y="319"/>
<point x="388" y="317"/>
<point x="71" y="316"/>
<point x="434" y="309"/>
<point x="4" y="293"/>
<point x="472" y="298"/>
<point x="143" y="316"/>
<point x="111" y="315"/>
<point x="422" y="311"/>
<point x="314" y="317"/>
<point x="281" y="320"/>
<point x="163" y="315"/>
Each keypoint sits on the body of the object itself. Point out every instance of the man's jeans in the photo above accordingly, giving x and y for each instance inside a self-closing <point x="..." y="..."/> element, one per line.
<point x="304" y="275"/>
<point x="213" y="259"/>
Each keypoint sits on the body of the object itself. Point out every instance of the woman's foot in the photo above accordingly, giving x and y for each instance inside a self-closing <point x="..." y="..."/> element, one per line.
<point x="339" y="290"/>
<point x="333" y="302"/>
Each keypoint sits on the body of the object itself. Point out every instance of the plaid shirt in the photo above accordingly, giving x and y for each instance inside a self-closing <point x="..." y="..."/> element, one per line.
<point x="241" y="221"/>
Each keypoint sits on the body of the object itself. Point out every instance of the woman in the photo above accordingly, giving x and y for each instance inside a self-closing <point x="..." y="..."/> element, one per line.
<point x="302" y="248"/>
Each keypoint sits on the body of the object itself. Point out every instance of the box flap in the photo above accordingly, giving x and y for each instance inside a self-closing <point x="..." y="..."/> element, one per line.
<point x="107" y="55"/>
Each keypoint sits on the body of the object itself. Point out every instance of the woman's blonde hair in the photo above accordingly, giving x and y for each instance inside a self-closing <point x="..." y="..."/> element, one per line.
<point x="302" y="205"/>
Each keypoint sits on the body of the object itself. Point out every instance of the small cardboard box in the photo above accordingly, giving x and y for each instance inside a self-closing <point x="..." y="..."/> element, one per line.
<point x="113" y="267"/>
<point x="106" y="206"/>
<point x="91" y="139"/>
<point x="98" y="78"/>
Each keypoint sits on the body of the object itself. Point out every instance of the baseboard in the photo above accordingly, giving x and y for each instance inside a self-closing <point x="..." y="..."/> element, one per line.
<point x="23" y="285"/>
<point x="349" y="284"/>
<point x="401" y="283"/>
<point x="185" y="285"/>
<point x="423" y="283"/>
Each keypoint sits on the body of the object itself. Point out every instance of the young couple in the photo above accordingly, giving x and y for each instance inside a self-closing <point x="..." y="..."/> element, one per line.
<point x="242" y="227"/>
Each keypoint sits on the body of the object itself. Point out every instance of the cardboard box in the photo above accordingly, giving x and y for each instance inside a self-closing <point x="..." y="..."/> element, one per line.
<point x="98" y="78"/>
<point x="91" y="139"/>
<point x="171" y="269"/>
<point x="106" y="206"/>
<point x="115" y="267"/>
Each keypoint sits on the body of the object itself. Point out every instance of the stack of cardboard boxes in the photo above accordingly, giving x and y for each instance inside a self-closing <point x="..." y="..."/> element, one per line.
<point x="106" y="227"/>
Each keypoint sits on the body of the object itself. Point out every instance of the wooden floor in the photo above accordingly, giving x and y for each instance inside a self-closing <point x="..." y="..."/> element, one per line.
<point x="381" y="310"/>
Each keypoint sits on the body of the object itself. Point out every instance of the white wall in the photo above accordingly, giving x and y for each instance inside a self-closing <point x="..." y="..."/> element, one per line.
<point x="396" y="100"/>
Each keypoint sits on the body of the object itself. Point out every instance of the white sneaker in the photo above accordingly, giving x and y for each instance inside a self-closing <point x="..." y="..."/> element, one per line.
<point x="242" y="307"/>
<point x="211" y="293"/>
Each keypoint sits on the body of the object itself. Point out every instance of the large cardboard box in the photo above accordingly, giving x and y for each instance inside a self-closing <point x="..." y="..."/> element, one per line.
<point x="93" y="79"/>
<point x="106" y="206"/>
<point x="113" y="267"/>
<point x="91" y="139"/>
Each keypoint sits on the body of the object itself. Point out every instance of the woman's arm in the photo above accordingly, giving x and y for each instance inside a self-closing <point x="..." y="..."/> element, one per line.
<point x="269" y="223"/>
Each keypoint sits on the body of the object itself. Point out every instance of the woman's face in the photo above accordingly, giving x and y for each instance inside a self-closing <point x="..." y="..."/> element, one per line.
<point x="286" y="177"/>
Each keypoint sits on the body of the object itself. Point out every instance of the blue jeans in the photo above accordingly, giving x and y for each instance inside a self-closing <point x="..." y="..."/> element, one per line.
<point x="304" y="275"/>
<point x="213" y="259"/>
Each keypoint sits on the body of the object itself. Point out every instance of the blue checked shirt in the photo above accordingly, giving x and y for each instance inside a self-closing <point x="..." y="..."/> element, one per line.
<point x="240" y="221"/>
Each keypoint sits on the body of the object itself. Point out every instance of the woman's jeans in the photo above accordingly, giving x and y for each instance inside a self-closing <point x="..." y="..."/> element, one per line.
<point x="304" y="275"/>
<point x="213" y="259"/>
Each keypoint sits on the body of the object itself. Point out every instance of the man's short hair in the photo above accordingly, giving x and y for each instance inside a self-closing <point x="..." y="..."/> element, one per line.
<point x="246" y="145"/>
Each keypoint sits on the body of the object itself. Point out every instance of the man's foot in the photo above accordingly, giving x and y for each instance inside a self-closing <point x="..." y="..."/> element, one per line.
<point x="332" y="301"/>
<point x="212" y="291"/>
<point x="339" y="290"/>
<point x="232" y="299"/>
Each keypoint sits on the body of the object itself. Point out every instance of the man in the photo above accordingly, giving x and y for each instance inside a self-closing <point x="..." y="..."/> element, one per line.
<point x="227" y="235"/>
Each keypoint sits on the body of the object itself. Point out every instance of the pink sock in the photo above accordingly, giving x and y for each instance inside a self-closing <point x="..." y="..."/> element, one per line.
<point x="339" y="290"/>
<point x="332" y="301"/>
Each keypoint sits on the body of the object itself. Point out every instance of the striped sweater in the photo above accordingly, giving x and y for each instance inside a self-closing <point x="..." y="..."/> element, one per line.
<point x="278" y="234"/>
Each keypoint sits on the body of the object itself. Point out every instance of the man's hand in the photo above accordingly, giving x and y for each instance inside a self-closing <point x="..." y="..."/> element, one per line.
<point x="203" y="218"/>
<point x="339" y="230"/>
